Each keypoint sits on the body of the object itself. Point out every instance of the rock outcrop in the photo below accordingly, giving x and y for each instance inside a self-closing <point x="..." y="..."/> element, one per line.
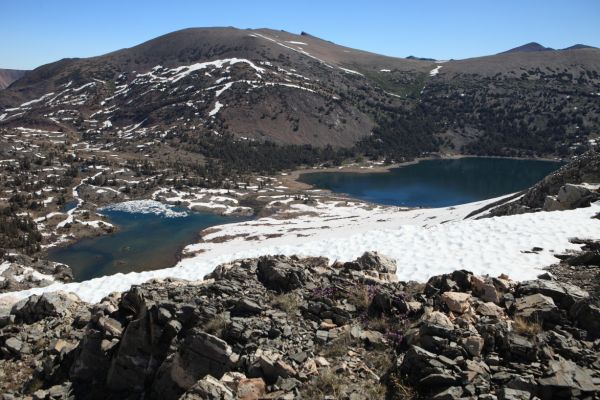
<point x="576" y="184"/>
<point x="289" y="328"/>
<point x="20" y="272"/>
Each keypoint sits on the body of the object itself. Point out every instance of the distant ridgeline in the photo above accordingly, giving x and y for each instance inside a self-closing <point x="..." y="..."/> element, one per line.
<point x="263" y="100"/>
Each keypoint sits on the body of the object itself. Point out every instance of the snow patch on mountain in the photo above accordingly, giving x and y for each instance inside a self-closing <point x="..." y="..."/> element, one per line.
<point x="435" y="71"/>
<point x="216" y="109"/>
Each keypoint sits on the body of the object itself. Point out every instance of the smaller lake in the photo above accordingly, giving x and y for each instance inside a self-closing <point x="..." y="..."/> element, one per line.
<point x="144" y="241"/>
<point x="437" y="183"/>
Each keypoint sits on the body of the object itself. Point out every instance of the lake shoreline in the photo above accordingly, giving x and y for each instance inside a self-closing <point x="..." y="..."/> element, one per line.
<point x="428" y="181"/>
<point x="292" y="178"/>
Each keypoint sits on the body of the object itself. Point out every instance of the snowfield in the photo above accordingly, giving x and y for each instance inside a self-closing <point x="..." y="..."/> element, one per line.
<point x="424" y="242"/>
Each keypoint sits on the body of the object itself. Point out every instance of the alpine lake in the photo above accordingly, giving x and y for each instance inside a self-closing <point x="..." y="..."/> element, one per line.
<point x="154" y="241"/>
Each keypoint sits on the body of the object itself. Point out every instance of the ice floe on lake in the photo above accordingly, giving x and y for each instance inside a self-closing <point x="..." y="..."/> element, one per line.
<point x="146" y="207"/>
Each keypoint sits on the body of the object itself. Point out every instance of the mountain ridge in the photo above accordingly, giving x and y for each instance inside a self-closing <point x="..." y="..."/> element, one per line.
<point x="534" y="47"/>
<point x="266" y="85"/>
<point x="8" y="76"/>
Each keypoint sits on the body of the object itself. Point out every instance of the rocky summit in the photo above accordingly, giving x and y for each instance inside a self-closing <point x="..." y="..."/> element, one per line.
<point x="281" y="327"/>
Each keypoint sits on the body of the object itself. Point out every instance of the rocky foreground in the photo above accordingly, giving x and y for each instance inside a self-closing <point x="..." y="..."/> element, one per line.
<point x="287" y="328"/>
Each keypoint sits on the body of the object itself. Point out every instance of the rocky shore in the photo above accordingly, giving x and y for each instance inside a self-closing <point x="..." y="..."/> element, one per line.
<point x="576" y="184"/>
<point x="20" y="272"/>
<point x="289" y="328"/>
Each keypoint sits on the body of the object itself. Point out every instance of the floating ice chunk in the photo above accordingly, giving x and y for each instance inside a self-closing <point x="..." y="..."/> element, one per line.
<point x="145" y="207"/>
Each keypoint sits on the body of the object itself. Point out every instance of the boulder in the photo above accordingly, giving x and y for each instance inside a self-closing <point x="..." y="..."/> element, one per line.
<point x="452" y="393"/>
<point x="208" y="388"/>
<point x="251" y="389"/>
<point x="473" y="345"/>
<point x="437" y="318"/>
<point x="456" y="301"/>
<point x="273" y="367"/>
<point x="14" y="345"/>
<point x="513" y="394"/>
<point x="587" y="316"/>
<point x="52" y="304"/>
<point x="489" y="310"/>
<point x="428" y="371"/>
<point x="373" y="339"/>
<point x="519" y="348"/>
<point x="537" y="307"/>
<point x="372" y="260"/>
<point x="566" y="380"/>
<point x="484" y="289"/>
<point x="570" y="196"/>
<point x="199" y="355"/>
<point x="563" y="294"/>
<point x="246" y="307"/>
<point x="91" y="360"/>
<point x="140" y="352"/>
<point x="276" y="274"/>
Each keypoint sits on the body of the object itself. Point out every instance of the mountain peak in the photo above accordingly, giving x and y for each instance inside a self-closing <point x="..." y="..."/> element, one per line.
<point x="529" y="47"/>
<point x="578" y="46"/>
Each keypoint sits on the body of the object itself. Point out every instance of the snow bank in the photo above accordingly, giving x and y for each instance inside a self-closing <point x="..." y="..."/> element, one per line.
<point x="435" y="71"/>
<point x="421" y="249"/>
<point x="145" y="207"/>
<point x="216" y="109"/>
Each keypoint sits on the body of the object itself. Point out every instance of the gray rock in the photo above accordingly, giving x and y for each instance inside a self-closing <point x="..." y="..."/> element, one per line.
<point x="569" y="197"/>
<point x="91" y="361"/>
<point x="208" y="388"/>
<point x="14" y="345"/>
<point x="587" y="316"/>
<point x="489" y="309"/>
<point x="140" y="351"/>
<point x="52" y="304"/>
<point x="371" y="260"/>
<point x="537" y="307"/>
<point x="111" y="326"/>
<point x="199" y="355"/>
<point x="513" y="394"/>
<point x="485" y="289"/>
<point x="452" y="393"/>
<point x="280" y="276"/>
<point x="373" y="339"/>
<point x="427" y="370"/>
<point x="567" y="380"/>
<point x="247" y="307"/>
<point x="563" y="294"/>
<point x="520" y="348"/>
<point x="274" y="368"/>
<point x="473" y="345"/>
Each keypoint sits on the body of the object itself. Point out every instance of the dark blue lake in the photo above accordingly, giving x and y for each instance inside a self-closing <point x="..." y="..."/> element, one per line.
<point x="143" y="242"/>
<point x="436" y="183"/>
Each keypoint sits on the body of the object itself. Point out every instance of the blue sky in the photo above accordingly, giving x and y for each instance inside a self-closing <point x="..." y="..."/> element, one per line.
<point x="37" y="32"/>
